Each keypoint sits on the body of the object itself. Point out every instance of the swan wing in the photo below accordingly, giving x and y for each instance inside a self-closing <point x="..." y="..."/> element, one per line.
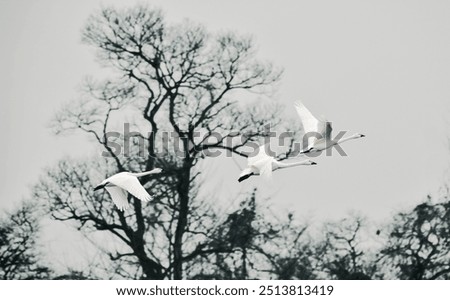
<point x="311" y="124"/>
<point x="132" y="185"/>
<point x="265" y="167"/>
<point x="325" y="129"/>
<point x="118" y="196"/>
<point x="259" y="155"/>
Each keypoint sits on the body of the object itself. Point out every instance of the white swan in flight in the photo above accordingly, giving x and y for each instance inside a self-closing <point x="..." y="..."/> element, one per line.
<point x="120" y="184"/>
<point x="263" y="164"/>
<point x="318" y="131"/>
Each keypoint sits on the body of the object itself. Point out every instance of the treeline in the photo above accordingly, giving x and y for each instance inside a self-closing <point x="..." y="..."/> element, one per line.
<point x="251" y="243"/>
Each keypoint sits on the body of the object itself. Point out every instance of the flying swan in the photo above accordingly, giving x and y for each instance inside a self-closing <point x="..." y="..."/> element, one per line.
<point x="263" y="164"/>
<point x="318" y="131"/>
<point x="120" y="184"/>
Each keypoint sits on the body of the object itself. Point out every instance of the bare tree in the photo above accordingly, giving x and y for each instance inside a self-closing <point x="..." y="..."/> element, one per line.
<point x="225" y="254"/>
<point x="186" y="87"/>
<point x="19" y="255"/>
<point x="286" y="246"/>
<point x="255" y="244"/>
<point x="419" y="241"/>
<point x="342" y="254"/>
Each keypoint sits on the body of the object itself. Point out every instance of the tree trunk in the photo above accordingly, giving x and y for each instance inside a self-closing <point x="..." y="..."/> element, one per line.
<point x="151" y="269"/>
<point x="244" y="263"/>
<point x="183" y="192"/>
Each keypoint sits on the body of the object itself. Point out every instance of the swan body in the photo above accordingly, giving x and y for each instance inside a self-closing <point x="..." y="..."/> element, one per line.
<point x="120" y="184"/>
<point x="318" y="131"/>
<point x="263" y="164"/>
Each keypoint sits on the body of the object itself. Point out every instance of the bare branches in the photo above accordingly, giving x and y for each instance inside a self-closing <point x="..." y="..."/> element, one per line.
<point x="19" y="258"/>
<point x="69" y="190"/>
<point x="181" y="79"/>
<point x="93" y="113"/>
<point x="418" y="242"/>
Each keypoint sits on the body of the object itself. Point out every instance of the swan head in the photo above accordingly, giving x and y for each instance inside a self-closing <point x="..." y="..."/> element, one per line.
<point x="100" y="186"/>
<point x="310" y="162"/>
<point x="309" y="150"/>
<point x="157" y="170"/>
<point x="359" y="135"/>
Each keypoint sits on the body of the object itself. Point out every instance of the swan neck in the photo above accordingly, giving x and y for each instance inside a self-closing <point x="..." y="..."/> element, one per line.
<point x="292" y="164"/>
<point x="143" y="173"/>
<point x="352" y="137"/>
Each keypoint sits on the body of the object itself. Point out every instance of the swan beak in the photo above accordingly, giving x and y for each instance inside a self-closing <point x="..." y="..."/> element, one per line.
<point x="98" y="187"/>
<point x="313" y="163"/>
<point x="242" y="178"/>
<point x="362" y="135"/>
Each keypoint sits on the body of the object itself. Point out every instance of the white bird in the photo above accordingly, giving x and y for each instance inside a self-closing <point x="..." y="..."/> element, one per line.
<point x="264" y="164"/>
<point x="120" y="184"/>
<point x="318" y="131"/>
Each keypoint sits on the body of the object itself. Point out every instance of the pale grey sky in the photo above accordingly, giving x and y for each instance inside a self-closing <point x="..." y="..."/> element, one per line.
<point x="381" y="68"/>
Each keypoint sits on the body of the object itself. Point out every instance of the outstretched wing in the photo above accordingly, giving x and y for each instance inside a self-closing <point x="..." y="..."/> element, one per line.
<point x="328" y="130"/>
<point x="132" y="185"/>
<point x="313" y="128"/>
<point x="309" y="122"/>
<point x="265" y="168"/>
<point x="262" y="162"/>
<point x="258" y="155"/>
<point x="118" y="196"/>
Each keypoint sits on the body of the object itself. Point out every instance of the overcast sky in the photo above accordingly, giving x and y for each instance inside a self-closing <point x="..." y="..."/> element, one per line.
<point x="381" y="68"/>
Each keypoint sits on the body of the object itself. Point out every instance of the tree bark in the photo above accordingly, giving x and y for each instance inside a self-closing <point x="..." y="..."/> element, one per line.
<point x="183" y="192"/>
